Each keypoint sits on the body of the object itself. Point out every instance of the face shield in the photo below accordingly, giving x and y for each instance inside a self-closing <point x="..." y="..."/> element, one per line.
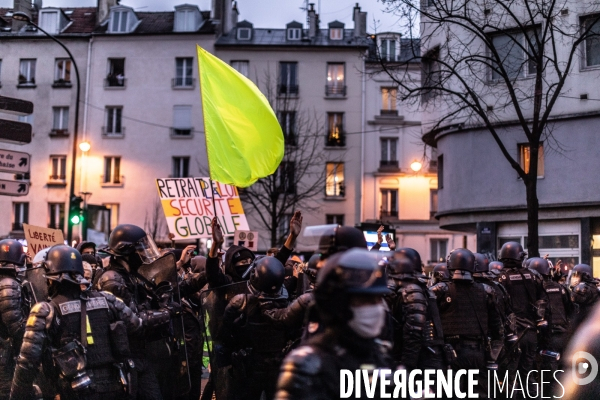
<point x="574" y="280"/>
<point x="147" y="250"/>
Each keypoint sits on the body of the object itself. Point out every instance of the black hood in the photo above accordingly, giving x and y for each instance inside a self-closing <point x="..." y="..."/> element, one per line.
<point x="233" y="255"/>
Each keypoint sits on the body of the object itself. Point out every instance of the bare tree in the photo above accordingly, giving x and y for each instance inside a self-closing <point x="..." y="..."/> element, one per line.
<point x="495" y="64"/>
<point x="301" y="175"/>
<point x="155" y="223"/>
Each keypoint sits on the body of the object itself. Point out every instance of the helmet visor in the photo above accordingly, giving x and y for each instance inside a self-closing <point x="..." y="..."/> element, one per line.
<point x="575" y="280"/>
<point x="147" y="249"/>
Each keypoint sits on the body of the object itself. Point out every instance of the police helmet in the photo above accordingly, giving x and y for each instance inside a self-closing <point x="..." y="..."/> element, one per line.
<point x="462" y="260"/>
<point x="340" y="239"/>
<point x="11" y="254"/>
<point x="482" y="263"/>
<point x="268" y="275"/>
<point x="540" y="265"/>
<point x="511" y="251"/>
<point x="581" y="273"/>
<point x="440" y="271"/>
<point x="64" y="263"/>
<point x="127" y="239"/>
<point x="495" y="267"/>
<point x="405" y="261"/>
<point x="311" y="268"/>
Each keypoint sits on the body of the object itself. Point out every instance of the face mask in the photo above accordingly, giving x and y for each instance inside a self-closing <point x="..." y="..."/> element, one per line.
<point x="367" y="321"/>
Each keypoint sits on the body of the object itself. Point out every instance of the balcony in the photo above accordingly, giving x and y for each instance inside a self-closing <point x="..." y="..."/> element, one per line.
<point x="113" y="133"/>
<point x="182" y="133"/>
<point x="59" y="133"/>
<point x="388" y="113"/>
<point x="388" y="215"/>
<point x="115" y="82"/>
<point x="18" y="226"/>
<point x="288" y="90"/>
<point x="388" y="166"/>
<point x="337" y="139"/>
<point x="335" y="90"/>
<point x="113" y="181"/>
<point x="183" y="83"/>
<point x="57" y="180"/>
<point x="25" y="83"/>
<point x="61" y="84"/>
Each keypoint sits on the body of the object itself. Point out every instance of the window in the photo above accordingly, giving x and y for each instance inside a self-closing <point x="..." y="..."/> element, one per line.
<point x="116" y="72"/>
<point x="58" y="168"/>
<point x="334" y="181"/>
<point x="113" y="121"/>
<point x="185" y="21"/>
<point x="287" y="119"/>
<point x="62" y="72"/>
<point x="336" y="33"/>
<point x="49" y="21"/>
<point x="433" y="202"/>
<point x="283" y="227"/>
<point x="181" y="167"/>
<point x="439" y="250"/>
<point x="335" y="133"/>
<point x="0" y="70"/>
<point x="430" y="74"/>
<point x="241" y="66"/>
<point x="114" y="214"/>
<point x="28" y="119"/>
<point x="389" y="203"/>
<point x="27" y="72"/>
<point x="387" y="49"/>
<point x="515" y="53"/>
<point x="294" y="33"/>
<point x="440" y="171"/>
<point x="286" y="177"/>
<point x="592" y="42"/>
<point x="388" y="152"/>
<point x="56" y="215"/>
<point x="60" y="124"/>
<point x="335" y="79"/>
<point x="337" y="219"/>
<point x="112" y="170"/>
<point x="288" y="80"/>
<point x="525" y="159"/>
<point x="20" y="215"/>
<point x="388" y="101"/>
<point x="119" y="21"/>
<point x="244" y="33"/>
<point x="182" y="121"/>
<point x="184" y="68"/>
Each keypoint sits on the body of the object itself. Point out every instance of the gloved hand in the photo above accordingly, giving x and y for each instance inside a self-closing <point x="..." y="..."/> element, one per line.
<point x="174" y="308"/>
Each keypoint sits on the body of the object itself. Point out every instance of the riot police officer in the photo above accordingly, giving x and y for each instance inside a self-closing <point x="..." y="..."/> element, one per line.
<point x="13" y="311"/>
<point x="130" y="247"/>
<point x="494" y="268"/>
<point x="528" y="302"/>
<point x="439" y="274"/>
<point x="418" y="336"/>
<point x="257" y="343"/>
<point x="469" y="316"/>
<point x="348" y="297"/>
<point x="584" y="292"/>
<point x="555" y="336"/>
<point x="81" y="337"/>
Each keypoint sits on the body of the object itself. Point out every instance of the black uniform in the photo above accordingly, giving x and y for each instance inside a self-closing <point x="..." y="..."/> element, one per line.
<point x="558" y="312"/>
<point x="53" y="326"/>
<point x="585" y="295"/>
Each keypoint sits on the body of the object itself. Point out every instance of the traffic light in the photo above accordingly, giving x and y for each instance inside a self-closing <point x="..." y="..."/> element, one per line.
<point x="75" y="211"/>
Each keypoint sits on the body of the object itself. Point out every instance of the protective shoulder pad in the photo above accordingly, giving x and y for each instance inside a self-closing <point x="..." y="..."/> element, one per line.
<point x="238" y="301"/>
<point x="40" y="316"/>
<point x="7" y="281"/>
<point x="488" y="289"/>
<point x="439" y="288"/>
<point x="109" y="280"/>
<point x="303" y="361"/>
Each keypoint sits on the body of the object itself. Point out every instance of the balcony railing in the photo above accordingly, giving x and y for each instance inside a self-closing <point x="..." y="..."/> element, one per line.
<point x="393" y="113"/>
<point x="288" y="90"/>
<point x="18" y="226"/>
<point x="112" y="133"/>
<point x="388" y="165"/>
<point x="114" y="181"/>
<point x="181" y="82"/>
<point x="59" y="133"/>
<point x="337" y="140"/>
<point x="183" y="133"/>
<point x="115" y="82"/>
<point x="335" y="90"/>
<point x="389" y="214"/>
<point x="61" y="83"/>
<point x="26" y="83"/>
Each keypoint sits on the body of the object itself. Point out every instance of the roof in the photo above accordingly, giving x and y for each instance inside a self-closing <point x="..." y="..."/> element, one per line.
<point x="83" y="21"/>
<point x="410" y="50"/>
<point x="244" y="24"/>
<point x="335" y="24"/>
<point x="278" y="37"/>
<point x="160" y="23"/>
<point x="294" y="24"/>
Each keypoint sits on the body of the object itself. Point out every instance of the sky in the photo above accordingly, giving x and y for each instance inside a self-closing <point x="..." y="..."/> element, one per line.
<point x="264" y="13"/>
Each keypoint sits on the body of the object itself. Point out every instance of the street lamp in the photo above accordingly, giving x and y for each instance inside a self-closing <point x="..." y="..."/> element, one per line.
<point x="85" y="146"/>
<point x="21" y="16"/>
<point x="416" y="166"/>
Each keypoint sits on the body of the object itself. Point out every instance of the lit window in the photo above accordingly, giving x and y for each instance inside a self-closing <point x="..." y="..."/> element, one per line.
<point x="389" y="203"/>
<point x="184" y="72"/>
<point x="241" y="66"/>
<point x="58" y="168"/>
<point x="335" y="133"/>
<point x="181" y="167"/>
<point x="336" y="33"/>
<point x="112" y="170"/>
<point x="334" y="181"/>
<point x="244" y="33"/>
<point x="388" y="101"/>
<point x="525" y="158"/>
<point x="182" y="121"/>
<point x="27" y="72"/>
<point x="336" y="84"/>
<point x="62" y="72"/>
<point x="113" y="121"/>
<point x="294" y="33"/>
<point x="114" y="214"/>
<point x="61" y="119"/>
<point x="56" y="215"/>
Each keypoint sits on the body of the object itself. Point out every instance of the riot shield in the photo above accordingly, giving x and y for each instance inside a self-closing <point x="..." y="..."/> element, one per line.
<point x="213" y="303"/>
<point x="175" y="367"/>
<point x="35" y="284"/>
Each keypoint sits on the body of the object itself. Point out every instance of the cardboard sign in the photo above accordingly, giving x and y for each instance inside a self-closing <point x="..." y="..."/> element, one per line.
<point x="248" y="239"/>
<point x="39" y="238"/>
<point x="189" y="209"/>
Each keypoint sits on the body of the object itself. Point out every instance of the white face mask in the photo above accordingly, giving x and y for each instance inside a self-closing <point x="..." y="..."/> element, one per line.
<point x="368" y="321"/>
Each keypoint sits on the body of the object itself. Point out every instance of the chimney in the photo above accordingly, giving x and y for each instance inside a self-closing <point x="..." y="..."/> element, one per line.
<point x="37" y="4"/>
<point x="234" y="15"/>
<point x="227" y="20"/>
<point x="21" y="6"/>
<point x="216" y="13"/>
<point x="104" y="9"/>
<point x="360" y="22"/>
<point x="313" y="21"/>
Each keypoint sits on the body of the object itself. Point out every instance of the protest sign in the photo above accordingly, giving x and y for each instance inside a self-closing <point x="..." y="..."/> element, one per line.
<point x="248" y="239"/>
<point x="188" y="207"/>
<point x="39" y="238"/>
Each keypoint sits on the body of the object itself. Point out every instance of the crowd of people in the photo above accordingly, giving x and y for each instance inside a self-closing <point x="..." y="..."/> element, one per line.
<point x="132" y="321"/>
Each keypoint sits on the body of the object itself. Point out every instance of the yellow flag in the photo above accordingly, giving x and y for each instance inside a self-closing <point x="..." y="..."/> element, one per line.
<point x="244" y="140"/>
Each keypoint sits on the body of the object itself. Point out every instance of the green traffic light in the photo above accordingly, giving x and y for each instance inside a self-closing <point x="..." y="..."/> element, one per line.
<point x="76" y="219"/>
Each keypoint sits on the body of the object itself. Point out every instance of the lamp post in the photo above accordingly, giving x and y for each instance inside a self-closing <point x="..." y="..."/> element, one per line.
<point x="21" y="16"/>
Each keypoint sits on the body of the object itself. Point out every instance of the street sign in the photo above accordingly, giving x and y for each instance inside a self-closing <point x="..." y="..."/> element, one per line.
<point x="14" y="161"/>
<point x="13" y="188"/>
<point x="14" y="131"/>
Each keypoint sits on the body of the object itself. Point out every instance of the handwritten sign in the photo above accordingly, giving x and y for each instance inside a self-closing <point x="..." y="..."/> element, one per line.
<point x="188" y="207"/>
<point x="248" y="239"/>
<point x="39" y="238"/>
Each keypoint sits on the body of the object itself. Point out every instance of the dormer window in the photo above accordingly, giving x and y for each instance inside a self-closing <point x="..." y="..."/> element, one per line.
<point x="49" y="21"/>
<point x="336" y="34"/>
<point x="294" y="33"/>
<point x="244" y="33"/>
<point x="119" y="21"/>
<point x="122" y="20"/>
<point x="389" y="47"/>
<point x="187" y="18"/>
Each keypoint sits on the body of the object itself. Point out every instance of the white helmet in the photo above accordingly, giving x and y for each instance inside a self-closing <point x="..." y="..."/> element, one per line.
<point x="39" y="258"/>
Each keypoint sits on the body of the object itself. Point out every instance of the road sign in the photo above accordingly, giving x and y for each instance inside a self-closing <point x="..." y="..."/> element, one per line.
<point x="14" y="131"/>
<point x="14" y="161"/>
<point x="13" y="188"/>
